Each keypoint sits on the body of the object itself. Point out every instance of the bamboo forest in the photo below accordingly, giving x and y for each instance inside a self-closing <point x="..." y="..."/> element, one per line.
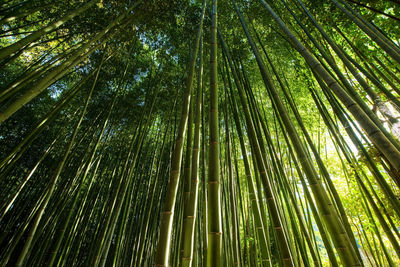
<point x="200" y="133"/>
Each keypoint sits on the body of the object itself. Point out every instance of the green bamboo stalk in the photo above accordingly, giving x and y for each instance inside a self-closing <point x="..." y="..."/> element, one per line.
<point x="27" y="247"/>
<point x="170" y="199"/>
<point x="9" y="50"/>
<point x="331" y="218"/>
<point x="271" y="199"/>
<point x="214" y="248"/>
<point x="232" y="195"/>
<point x="383" y="42"/>
<point x="260" y="225"/>
<point x="190" y="220"/>
<point x="374" y="133"/>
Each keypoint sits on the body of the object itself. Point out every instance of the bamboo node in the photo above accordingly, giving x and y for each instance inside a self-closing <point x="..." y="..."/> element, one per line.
<point x="215" y="233"/>
<point x="330" y="84"/>
<point x="167" y="212"/>
<point x="352" y="104"/>
<point x="315" y="65"/>
<point x="373" y="132"/>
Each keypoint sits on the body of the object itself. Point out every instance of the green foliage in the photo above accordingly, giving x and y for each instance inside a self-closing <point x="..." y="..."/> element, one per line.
<point x="116" y="175"/>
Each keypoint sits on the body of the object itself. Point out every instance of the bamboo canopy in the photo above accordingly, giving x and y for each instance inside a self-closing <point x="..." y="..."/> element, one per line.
<point x="200" y="133"/>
